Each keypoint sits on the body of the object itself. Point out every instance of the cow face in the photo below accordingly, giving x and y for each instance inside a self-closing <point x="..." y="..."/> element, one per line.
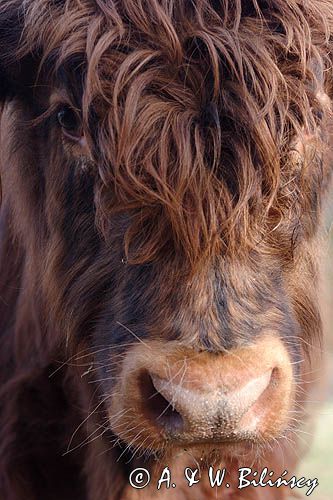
<point x="170" y="163"/>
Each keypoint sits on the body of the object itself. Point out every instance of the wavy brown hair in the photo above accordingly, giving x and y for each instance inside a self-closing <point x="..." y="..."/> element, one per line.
<point x="199" y="108"/>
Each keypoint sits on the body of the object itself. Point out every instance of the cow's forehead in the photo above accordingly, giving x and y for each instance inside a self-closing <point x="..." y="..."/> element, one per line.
<point x="193" y="122"/>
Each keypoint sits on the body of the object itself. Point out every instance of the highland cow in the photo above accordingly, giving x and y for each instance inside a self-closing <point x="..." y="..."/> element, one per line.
<point x="164" y="166"/>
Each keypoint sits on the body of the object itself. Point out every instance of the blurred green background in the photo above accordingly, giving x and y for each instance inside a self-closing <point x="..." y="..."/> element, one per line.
<point x="319" y="461"/>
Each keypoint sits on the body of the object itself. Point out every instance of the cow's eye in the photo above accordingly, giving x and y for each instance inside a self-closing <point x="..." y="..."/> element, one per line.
<point x="69" y="122"/>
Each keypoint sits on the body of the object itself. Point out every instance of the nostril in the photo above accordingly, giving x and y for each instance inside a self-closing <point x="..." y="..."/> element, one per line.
<point x="157" y="408"/>
<point x="275" y="377"/>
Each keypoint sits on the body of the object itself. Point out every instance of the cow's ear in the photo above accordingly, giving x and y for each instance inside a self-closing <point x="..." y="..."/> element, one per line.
<point x="17" y="70"/>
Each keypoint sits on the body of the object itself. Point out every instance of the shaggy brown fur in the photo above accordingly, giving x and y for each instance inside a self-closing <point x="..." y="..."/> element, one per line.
<point x="180" y="201"/>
